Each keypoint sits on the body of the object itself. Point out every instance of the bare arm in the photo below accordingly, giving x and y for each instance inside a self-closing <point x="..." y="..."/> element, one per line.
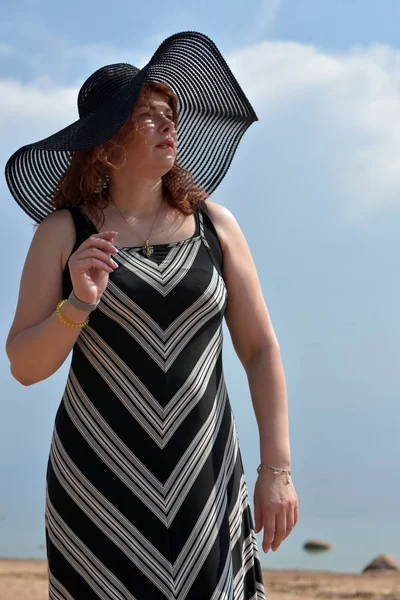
<point x="275" y="502"/>
<point x="38" y="343"/>
<point x="254" y="340"/>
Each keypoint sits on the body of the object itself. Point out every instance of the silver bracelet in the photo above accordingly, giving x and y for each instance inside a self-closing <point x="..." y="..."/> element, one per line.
<point x="276" y="471"/>
<point x="84" y="306"/>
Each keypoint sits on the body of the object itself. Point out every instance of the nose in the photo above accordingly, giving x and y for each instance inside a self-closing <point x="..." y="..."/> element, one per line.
<point x="166" y="125"/>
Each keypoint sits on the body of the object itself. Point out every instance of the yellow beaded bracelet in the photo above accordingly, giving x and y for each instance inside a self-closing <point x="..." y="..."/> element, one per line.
<point x="65" y="321"/>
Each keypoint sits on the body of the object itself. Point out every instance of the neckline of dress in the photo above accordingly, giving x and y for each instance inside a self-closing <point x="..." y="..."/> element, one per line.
<point x="165" y="245"/>
<point x="195" y="236"/>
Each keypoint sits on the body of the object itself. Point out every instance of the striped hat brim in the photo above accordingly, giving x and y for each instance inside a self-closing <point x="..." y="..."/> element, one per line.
<point x="214" y="113"/>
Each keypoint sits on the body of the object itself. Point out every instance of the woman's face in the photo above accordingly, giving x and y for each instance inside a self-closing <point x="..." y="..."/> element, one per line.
<point x="153" y="146"/>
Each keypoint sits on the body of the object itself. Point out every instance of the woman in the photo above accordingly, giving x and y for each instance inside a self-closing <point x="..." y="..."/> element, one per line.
<point x="146" y="496"/>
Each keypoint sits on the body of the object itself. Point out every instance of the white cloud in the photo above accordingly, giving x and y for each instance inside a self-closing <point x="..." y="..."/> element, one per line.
<point x="30" y="112"/>
<point x="39" y="99"/>
<point x="351" y="103"/>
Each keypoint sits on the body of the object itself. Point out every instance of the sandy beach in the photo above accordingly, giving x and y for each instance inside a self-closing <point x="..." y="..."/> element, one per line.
<point x="26" y="580"/>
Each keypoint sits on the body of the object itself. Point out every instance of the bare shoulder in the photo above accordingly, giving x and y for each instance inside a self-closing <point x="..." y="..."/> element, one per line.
<point x="41" y="280"/>
<point x="59" y="220"/>
<point x="220" y="215"/>
<point x="225" y="223"/>
<point x="56" y="232"/>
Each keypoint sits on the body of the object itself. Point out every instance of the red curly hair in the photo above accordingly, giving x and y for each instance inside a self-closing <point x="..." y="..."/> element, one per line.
<point x="86" y="179"/>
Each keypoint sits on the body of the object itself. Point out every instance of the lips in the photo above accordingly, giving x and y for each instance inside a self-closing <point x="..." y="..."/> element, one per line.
<point x="166" y="143"/>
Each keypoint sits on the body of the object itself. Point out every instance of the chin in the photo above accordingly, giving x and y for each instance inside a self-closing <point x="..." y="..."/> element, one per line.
<point x="167" y="166"/>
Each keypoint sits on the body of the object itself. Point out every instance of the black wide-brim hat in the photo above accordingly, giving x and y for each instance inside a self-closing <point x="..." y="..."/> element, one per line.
<point x="214" y="113"/>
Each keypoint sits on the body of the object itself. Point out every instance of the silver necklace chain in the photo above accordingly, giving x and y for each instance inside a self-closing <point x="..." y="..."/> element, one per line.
<point x="147" y="249"/>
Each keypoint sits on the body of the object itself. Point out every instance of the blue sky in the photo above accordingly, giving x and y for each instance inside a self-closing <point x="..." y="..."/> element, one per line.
<point x="315" y="186"/>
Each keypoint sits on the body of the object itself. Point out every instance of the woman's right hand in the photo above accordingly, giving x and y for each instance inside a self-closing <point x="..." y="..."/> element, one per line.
<point x="91" y="264"/>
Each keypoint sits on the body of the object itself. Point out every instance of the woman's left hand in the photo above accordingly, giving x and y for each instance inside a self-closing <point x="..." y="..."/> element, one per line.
<point x="276" y="508"/>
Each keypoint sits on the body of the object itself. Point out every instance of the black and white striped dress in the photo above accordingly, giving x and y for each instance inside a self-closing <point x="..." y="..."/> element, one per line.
<point x="146" y="497"/>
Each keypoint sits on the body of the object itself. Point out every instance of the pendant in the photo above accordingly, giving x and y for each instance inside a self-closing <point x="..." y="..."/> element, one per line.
<point x="147" y="249"/>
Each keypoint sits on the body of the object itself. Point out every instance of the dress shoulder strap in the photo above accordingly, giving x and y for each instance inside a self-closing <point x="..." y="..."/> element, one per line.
<point x="210" y="237"/>
<point x="84" y="228"/>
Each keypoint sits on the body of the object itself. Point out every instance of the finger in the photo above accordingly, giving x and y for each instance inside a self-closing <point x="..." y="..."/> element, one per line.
<point x="257" y="515"/>
<point x="105" y="242"/>
<point x="289" y="521"/>
<point x="296" y="513"/>
<point x="280" y="530"/>
<point x="269" y="530"/>
<point x="93" y="263"/>
<point x="108" y="235"/>
<point x="94" y="252"/>
<point x="105" y="234"/>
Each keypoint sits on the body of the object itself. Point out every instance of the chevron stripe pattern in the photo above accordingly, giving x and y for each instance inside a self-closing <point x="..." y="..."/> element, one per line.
<point x="146" y="497"/>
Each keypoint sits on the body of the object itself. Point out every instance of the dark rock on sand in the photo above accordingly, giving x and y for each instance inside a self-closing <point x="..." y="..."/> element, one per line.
<point x="383" y="562"/>
<point x="317" y="546"/>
